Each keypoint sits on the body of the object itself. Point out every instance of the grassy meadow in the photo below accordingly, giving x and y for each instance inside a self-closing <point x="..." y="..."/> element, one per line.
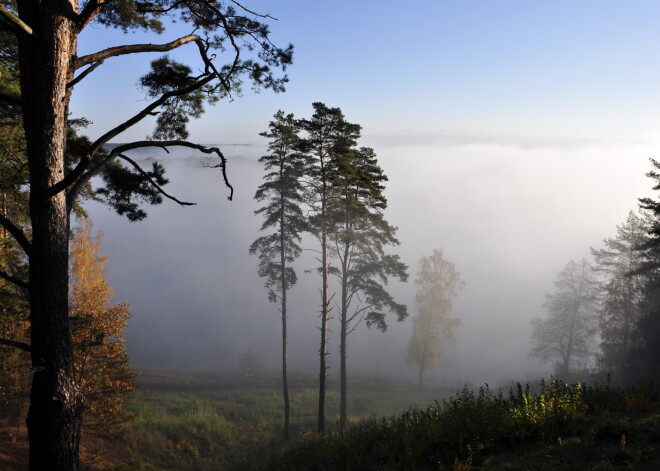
<point x="187" y="421"/>
<point x="206" y="422"/>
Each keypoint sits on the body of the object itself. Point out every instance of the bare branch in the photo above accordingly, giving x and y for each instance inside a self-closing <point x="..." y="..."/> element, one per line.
<point x="83" y="74"/>
<point x="12" y="343"/>
<point x="355" y="325"/>
<point x="17" y="233"/>
<point x="133" y="49"/>
<point x="210" y="67"/>
<point x="260" y="15"/>
<point x="13" y="21"/>
<point x="358" y="312"/>
<point x="14" y="280"/>
<point x="228" y="30"/>
<point x="155" y="185"/>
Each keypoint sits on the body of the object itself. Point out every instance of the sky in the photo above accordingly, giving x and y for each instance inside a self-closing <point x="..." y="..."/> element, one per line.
<point x="515" y="136"/>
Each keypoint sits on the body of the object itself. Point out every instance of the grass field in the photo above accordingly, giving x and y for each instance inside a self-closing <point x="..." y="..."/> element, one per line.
<point x="205" y="421"/>
<point x="186" y="421"/>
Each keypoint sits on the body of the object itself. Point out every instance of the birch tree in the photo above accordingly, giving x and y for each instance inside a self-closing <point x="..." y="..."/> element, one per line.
<point x="438" y="283"/>
<point x="97" y="330"/>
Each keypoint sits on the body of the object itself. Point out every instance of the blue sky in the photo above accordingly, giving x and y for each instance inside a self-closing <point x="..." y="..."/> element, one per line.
<point x="577" y="68"/>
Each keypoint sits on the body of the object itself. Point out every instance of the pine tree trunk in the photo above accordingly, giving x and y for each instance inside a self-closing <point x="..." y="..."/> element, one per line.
<point x="285" y="380"/>
<point x="323" y="350"/>
<point x="343" y="415"/>
<point x="56" y="405"/>
<point x="325" y="303"/>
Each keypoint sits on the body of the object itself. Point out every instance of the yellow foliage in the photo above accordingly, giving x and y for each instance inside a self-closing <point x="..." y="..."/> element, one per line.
<point x="97" y="331"/>
<point x="438" y="283"/>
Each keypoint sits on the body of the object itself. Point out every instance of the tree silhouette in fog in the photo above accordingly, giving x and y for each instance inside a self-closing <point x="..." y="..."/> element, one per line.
<point x="438" y="283"/>
<point x="283" y="194"/>
<point x="565" y="338"/>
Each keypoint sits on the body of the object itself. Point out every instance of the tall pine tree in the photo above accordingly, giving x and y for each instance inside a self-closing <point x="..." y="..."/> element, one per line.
<point x="359" y="238"/>
<point x="327" y="132"/>
<point x="622" y="289"/>
<point x="283" y="193"/>
<point x="644" y="357"/>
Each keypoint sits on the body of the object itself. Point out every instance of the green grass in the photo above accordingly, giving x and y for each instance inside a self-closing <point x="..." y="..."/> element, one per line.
<point x="199" y="422"/>
<point x="186" y="422"/>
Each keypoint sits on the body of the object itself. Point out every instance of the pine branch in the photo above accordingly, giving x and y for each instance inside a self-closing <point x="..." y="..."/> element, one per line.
<point x="12" y="21"/>
<point x="72" y="178"/>
<point x="12" y="279"/>
<point x="247" y="10"/>
<point x="133" y="49"/>
<point x="153" y="183"/>
<point x="89" y="11"/>
<point x="73" y="193"/>
<point x="84" y="74"/>
<point x="13" y="343"/>
<point x="17" y="233"/>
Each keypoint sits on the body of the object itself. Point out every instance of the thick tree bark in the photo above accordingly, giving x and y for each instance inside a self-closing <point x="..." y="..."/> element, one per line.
<point x="56" y="404"/>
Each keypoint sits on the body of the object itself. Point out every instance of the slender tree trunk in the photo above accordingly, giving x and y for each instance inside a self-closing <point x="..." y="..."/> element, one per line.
<point x="325" y="304"/>
<point x="56" y="404"/>
<point x="323" y="350"/>
<point x="569" y="350"/>
<point x="425" y="346"/>
<point x="285" y="379"/>
<point x="343" y="415"/>
<point x="623" y="355"/>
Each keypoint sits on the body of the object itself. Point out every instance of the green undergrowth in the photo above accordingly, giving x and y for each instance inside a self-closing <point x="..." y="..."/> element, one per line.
<point x="555" y="426"/>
